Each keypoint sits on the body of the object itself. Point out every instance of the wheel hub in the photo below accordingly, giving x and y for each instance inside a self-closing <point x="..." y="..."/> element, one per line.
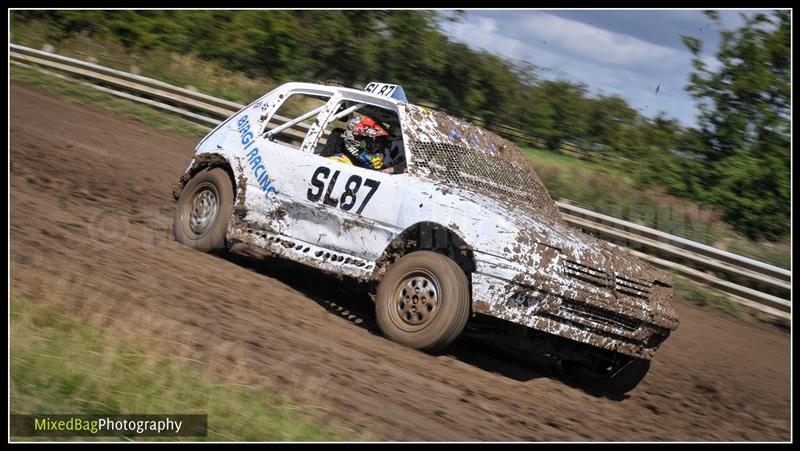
<point x="204" y="208"/>
<point x="416" y="301"/>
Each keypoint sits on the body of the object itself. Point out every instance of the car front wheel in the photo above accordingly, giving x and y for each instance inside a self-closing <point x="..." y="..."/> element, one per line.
<point x="204" y="209"/>
<point x="423" y="301"/>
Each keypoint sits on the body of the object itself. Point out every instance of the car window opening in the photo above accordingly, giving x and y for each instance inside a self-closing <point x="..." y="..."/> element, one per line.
<point x="366" y="136"/>
<point x="291" y="122"/>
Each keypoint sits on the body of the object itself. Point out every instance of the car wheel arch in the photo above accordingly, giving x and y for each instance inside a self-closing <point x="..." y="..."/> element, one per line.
<point x="427" y="235"/>
<point x="206" y="161"/>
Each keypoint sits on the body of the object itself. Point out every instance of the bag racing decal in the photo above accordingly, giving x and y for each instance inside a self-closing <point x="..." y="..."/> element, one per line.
<point x="254" y="158"/>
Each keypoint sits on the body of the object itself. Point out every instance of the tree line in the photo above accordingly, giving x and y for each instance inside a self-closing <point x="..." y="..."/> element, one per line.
<point x="737" y="159"/>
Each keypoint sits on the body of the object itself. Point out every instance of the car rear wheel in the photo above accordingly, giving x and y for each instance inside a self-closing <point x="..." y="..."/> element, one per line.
<point x="423" y="301"/>
<point x="204" y="209"/>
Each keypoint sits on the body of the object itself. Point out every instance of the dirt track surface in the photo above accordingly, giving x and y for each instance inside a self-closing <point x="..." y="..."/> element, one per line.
<point x="91" y="198"/>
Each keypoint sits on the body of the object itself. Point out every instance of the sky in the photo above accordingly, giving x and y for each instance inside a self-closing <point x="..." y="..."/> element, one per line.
<point x="629" y="53"/>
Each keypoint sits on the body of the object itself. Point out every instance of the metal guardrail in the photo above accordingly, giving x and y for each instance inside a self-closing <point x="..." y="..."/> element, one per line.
<point x="694" y="260"/>
<point x="164" y="94"/>
<point x="729" y="258"/>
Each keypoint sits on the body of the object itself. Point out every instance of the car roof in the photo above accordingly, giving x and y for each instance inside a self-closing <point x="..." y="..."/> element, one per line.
<point x="422" y="122"/>
<point x="341" y="89"/>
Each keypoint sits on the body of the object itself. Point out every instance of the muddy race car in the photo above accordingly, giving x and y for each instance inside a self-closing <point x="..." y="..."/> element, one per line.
<point x="448" y="221"/>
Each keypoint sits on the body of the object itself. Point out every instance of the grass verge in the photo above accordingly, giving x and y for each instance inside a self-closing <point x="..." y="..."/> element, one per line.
<point x="551" y="159"/>
<point x="685" y="290"/>
<point x="62" y="365"/>
<point x="696" y="294"/>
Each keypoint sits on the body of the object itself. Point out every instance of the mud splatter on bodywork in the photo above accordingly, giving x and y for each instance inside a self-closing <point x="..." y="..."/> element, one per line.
<point x="454" y="153"/>
<point x="549" y="276"/>
<point x="240" y="207"/>
<point x="199" y="162"/>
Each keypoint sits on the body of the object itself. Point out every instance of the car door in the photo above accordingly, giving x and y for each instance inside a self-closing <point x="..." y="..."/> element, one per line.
<point x="349" y="209"/>
<point x="339" y="206"/>
<point x="276" y="164"/>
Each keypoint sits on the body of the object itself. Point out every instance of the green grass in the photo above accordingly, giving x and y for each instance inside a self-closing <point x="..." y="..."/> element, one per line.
<point x="777" y="253"/>
<point x="62" y="365"/>
<point x="686" y="290"/>
<point x="607" y="192"/>
<point x="551" y="159"/>
<point x="694" y="293"/>
<point x="86" y="95"/>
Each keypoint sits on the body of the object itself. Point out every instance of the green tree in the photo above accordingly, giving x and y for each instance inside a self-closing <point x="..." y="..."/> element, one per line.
<point x="567" y="105"/>
<point x="341" y="45"/>
<point x="611" y="123"/>
<point x="411" y="51"/>
<point x="463" y="79"/>
<point x="665" y="161"/>
<point x="744" y="123"/>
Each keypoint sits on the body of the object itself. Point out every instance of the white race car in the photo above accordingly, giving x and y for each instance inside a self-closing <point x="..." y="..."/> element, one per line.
<point x="460" y="225"/>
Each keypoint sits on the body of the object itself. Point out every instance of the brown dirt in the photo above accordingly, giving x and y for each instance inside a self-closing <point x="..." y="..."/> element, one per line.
<point x="91" y="198"/>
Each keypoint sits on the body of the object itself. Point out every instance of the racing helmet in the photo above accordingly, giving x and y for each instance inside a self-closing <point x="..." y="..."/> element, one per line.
<point x="365" y="126"/>
<point x="367" y="131"/>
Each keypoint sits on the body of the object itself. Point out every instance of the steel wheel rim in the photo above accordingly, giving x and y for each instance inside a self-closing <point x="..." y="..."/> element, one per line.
<point x="416" y="300"/>
<point x="201" y="211"/>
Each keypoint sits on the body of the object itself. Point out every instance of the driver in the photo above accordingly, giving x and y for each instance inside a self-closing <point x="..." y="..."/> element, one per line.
<point x="361" y="143"/>
<point x="364" y="140"/>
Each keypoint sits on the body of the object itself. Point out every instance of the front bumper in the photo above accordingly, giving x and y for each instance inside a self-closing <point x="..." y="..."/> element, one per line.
<point x="576" y="309"/>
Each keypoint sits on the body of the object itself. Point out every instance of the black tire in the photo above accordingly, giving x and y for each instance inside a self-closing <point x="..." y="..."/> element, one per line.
<point x="197" y="223"/>
<point x="615" y="381"/>
<point x="423" y="301"/>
